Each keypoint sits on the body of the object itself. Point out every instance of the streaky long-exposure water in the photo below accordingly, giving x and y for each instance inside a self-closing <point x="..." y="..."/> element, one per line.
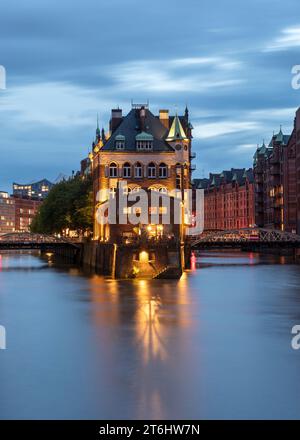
<point x="215" y="344"/>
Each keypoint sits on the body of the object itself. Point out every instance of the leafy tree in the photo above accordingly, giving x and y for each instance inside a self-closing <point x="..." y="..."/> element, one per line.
<point x="68" y="205"/>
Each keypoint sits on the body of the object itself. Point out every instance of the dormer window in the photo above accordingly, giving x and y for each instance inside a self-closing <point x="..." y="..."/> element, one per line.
<point x="120" y="142"/>
<point x="144" y="142"/>
<point x="144" y="145"/>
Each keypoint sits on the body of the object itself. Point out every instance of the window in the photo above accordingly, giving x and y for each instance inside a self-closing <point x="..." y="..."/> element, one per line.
<point x="144" y="145"/>
<point x="151" y="170"/>
<point x="163" y="190"/>
<point x="120" y="145"/>
<point x="112" y="192"/>
<point x="127" y="190"/>
<point x="120" y="142"/>
<point x="163" y="171"/>
<point x="127" y="170"/>
<point x="113" y="170"/>
<point x="178" y="176"/>
<point x="138" y="170"/>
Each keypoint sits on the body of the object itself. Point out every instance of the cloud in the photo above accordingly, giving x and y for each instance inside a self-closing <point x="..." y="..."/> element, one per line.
<point x="155" y="76"/>
<point x="55" y="104"/>
<point x="289" y="39"/>
<point x="221" y="128"/>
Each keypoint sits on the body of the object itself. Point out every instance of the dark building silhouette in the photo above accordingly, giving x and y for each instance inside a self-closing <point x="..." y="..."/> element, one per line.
<point x="268" y="169"/>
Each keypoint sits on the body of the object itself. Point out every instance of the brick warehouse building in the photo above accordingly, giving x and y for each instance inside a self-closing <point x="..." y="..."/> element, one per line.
<point x="277" y="181"/>
<point x="228" y="199"/>
<point x="148" y="152"/>
<point x="269" y="181"/>
<point x="297" y="139"/>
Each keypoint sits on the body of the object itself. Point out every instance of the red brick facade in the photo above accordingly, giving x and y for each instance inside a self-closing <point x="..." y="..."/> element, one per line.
<point x="228" y="200"/>
<point x="277" y="181"/>
<point x="25" y="210"/>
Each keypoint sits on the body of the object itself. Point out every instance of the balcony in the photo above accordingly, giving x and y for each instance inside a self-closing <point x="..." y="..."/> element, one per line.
<point x="192" y="167"/>
<point x="193" y="155"/>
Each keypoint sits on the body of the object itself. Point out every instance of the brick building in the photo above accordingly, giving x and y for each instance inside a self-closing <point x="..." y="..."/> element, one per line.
<point x="269" y="165"/>
<point x="290" y="185"/>
<point x="148" y="152"/>
<point x="7" y="213"/>
<point x="228" y="199"/>
<point x="297" y="140"/>
<point x="25" y="211"/>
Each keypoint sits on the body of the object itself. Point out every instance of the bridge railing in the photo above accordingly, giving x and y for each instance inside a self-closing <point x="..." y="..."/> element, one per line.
<point x="25" y="237"/>
<point x="247" y="235"/>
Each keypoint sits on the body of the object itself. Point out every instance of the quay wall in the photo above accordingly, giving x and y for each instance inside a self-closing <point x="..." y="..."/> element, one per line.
<point x="123" y="261"/>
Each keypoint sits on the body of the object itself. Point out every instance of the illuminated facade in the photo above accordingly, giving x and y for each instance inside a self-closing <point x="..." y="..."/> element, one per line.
<point x="25" y="211"/>
<point x="7" y="213"/>
<point x="37" y="190"/>
<point x="149" y="152"/>
<point x="16" y="214"/>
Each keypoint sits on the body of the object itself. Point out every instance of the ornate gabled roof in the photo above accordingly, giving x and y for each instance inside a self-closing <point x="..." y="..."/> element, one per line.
<point x="235" y="175"/>
<point x="130" y="127"/>
<point x="176" y="131"/>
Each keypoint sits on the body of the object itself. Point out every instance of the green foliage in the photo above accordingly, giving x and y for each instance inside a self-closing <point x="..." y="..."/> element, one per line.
<point x="68" y="205"/>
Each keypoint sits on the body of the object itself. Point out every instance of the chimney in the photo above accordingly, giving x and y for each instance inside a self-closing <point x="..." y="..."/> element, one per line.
<point x="164" y="117"/>
<point x="142" y="118"/>
<point x="116" y="119"/>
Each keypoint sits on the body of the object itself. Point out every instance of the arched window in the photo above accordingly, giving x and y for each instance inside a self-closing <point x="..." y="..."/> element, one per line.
<point x="163" y="171"/>
<point x="126" y="170"/>
<point x="163" y="190"/>
<point x="153" y="188"/>
<point x="138" y="170"/>
<point x="151" y="170"/>
<point x="113" y="170"/>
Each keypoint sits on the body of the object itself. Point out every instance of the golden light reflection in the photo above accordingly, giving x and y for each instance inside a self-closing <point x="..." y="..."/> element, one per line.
<point x="193" y="261"/>
<point x="144" y="257"/>
<point x="149" y="330"/>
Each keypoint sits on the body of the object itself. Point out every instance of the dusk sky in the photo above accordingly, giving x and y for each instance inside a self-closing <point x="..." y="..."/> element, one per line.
<point x="229" y="61"/>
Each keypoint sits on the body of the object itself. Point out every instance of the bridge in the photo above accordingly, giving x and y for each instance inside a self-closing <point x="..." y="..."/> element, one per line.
<point x="30" y="241"/>
<point x="246" y="238"/>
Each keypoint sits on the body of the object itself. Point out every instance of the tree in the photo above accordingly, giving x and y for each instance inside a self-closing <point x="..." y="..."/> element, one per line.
<point x="69" y="205"/>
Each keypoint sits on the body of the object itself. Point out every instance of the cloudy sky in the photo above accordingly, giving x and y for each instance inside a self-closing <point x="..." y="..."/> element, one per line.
<point x="66" y="61"/>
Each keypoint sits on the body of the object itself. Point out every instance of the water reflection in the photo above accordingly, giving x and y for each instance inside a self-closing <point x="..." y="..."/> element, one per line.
<point x="215" y="344"/>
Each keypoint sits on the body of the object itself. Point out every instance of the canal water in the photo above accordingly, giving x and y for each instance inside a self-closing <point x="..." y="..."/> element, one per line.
<point x="215" y="344"/>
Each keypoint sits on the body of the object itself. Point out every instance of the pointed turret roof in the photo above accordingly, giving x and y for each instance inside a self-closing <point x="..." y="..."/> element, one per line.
<point x="176" y="131"/>
<point x="98" y="129"/>
<point x="279" y="137"/>
<point x="262" y="149"/>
